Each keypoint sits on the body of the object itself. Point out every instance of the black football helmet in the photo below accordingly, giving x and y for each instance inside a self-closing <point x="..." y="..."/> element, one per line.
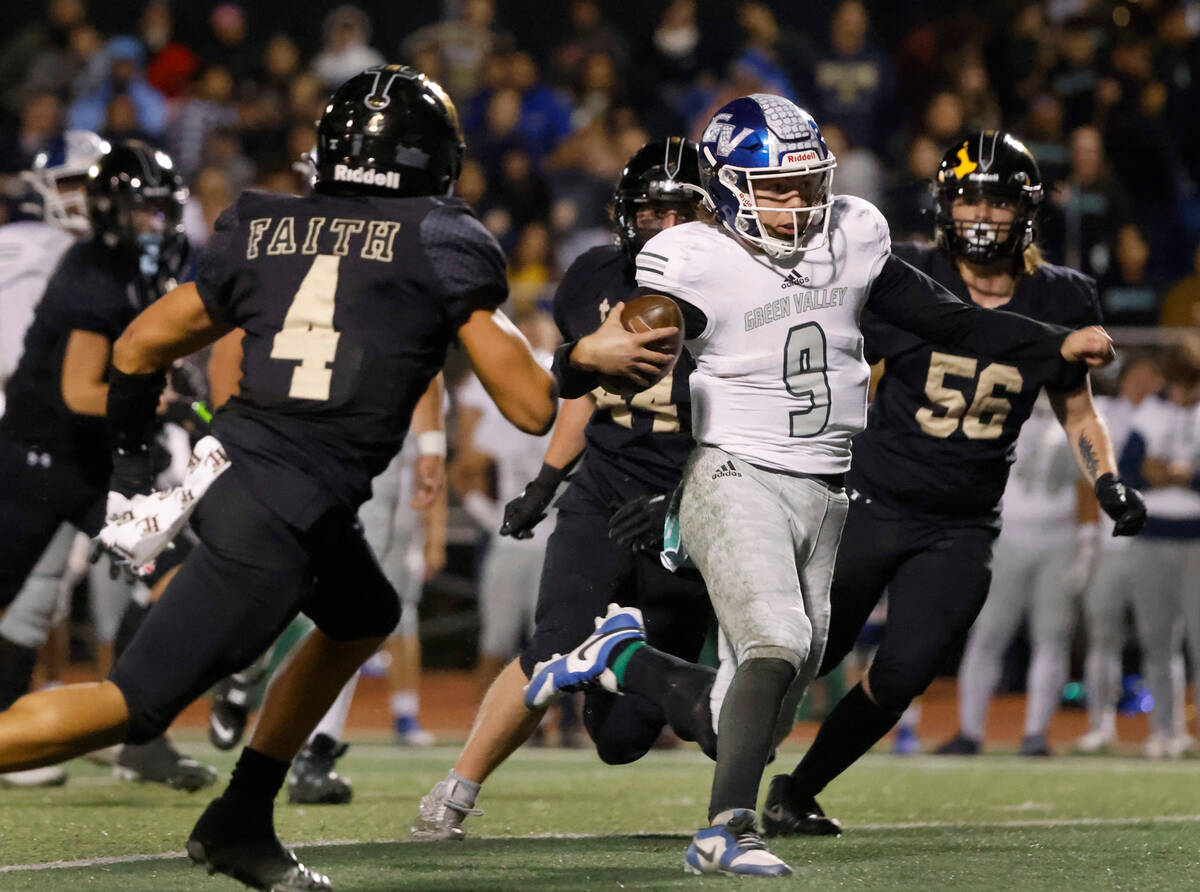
<point x="135" y="202"/>
<point x="388" y="131"/>
<point x="991" y="165"/>
<point x="664" y="173"/>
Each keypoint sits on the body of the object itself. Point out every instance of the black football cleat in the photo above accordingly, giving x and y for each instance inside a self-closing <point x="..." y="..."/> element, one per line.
<point x="159" y="762"/>
<point x="312" y="780"/>
<point x="789" y="813"/>
<point x="257" y="859"/>
<point x="229" y="712"/>
<point x="959" y="745"/>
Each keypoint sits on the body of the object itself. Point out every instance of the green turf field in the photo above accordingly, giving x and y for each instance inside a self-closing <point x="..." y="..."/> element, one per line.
<point x="562" y="820"/>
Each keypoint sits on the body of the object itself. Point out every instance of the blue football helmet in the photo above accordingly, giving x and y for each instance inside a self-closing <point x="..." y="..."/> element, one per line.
<point x="753" y="141"/>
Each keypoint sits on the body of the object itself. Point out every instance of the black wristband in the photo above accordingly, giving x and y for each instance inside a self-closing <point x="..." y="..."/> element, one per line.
<point x="132" y="404"/>
<point x="573" y="382"/>
<point x="1104" y="481"/>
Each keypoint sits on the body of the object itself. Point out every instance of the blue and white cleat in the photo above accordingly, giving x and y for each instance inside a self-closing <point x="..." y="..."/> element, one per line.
<point x="588" y="664"/>
<point x="733" y="848"/>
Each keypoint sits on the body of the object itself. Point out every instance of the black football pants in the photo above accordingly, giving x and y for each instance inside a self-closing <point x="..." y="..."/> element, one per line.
<point x="247" y="579"/>
<point x="936" y="576"/>
<point x="583" y="573"/>
<point x="39" y="491"/>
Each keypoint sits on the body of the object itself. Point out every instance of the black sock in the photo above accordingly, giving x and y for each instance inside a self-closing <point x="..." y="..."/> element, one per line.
<point x="256" y="778"/>
<point x="131" y="621"/>
<point x="855" y="725"/>
<point x="674" y="685"/>
<point x="746" y="732"/>
<point x="16" y="671"/>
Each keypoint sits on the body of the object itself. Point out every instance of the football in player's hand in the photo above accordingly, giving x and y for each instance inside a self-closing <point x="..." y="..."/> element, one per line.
<point x="642" y="314"/>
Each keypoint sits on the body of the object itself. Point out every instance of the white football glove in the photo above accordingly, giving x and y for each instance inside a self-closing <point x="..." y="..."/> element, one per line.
<point x="138" y="529"/>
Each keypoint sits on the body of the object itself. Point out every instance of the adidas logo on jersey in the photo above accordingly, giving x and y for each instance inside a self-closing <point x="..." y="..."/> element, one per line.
<point x="368" y="175"/>
<point x="792" y="279"/>
<point x="726" y="470"/>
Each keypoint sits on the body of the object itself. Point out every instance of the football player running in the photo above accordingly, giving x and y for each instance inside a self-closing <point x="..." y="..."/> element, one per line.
<point x="52" y="433"/>
<point x="349" y="299"/>
<point x="932" y="464"/>
<point x="772" y="294"/>
<point x="30" y="250"/>
<point x="633" y="450"/>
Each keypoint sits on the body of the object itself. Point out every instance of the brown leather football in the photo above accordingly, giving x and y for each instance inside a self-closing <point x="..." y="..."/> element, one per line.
<point x="646" y="313"/>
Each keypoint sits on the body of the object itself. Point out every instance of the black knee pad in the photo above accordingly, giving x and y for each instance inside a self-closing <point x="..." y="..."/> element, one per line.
<point x="624" y="728"/>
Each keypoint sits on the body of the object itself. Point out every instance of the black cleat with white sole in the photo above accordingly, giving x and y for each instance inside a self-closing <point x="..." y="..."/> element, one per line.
<point x="790" y="813"/>
<point x="256" y="859"/>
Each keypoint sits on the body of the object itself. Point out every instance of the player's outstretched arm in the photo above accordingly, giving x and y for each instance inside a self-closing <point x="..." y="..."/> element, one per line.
<point x="522" y="390"/>
<point x="909" y="299"/>
<point x="1092" y="447"/>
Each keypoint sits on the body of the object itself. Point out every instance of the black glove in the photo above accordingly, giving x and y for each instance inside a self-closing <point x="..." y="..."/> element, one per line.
<point x="134" y="471"/>
<point x="1122" y="503"/>
<point x="638" y="524"/>
<point x="528" y="509"/>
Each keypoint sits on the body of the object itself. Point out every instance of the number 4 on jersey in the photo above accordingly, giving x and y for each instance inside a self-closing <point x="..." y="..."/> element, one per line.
<point x="307" y="334"/>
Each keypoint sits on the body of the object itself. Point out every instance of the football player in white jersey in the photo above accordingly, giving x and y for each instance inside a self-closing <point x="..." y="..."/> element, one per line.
<point x="771" y="294"/>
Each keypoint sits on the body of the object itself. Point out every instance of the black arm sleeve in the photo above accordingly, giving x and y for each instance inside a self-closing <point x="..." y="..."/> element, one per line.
<point x="909" y="299"/>
<point x="694" y="318"/>
<point x="131" y="407"/>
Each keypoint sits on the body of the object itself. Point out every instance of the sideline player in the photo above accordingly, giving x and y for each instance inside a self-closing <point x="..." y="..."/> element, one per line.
<point x="489" y="448"/>
<point x="633" y="450"/>
<point x="1101" y="563"/>
<point x="772" y="298"/>
<point x="1163" y="455"/>
<point x="341" y="340"/>
<point x="932" y="464"/>
<point x="1030" y="566"/>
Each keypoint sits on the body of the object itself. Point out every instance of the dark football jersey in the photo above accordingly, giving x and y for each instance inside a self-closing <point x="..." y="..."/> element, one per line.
<point x="348" y="304"/>
<point x="83" y="294"/>
<point x="636" y="444"/>
<point x="940" y="433"/>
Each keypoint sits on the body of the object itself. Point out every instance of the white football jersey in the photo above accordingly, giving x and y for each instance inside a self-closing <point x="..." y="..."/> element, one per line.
<point x="780" y="378"/>
<point x="1040" y="501"/>
<point x="1171" y="433"/>
<point x="29" y="252"/>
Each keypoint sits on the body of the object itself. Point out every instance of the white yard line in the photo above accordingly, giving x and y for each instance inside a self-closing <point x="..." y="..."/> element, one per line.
<point x="682" y="834"/>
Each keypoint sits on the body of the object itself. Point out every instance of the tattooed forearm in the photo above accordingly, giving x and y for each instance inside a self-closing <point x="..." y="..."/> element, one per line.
<point x="1088" y="453"/>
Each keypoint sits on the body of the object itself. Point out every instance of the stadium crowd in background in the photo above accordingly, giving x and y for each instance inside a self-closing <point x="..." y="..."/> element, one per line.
<point x="553" y="104"/>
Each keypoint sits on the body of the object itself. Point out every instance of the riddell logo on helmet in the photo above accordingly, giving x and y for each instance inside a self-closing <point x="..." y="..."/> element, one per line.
<point x="797" y="157"/>
<point x="367" y="175"/>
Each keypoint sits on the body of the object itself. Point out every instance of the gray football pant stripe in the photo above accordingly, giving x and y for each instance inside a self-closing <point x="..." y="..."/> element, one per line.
<point x="508" y="593"/>
<point x="1160" y="578"/>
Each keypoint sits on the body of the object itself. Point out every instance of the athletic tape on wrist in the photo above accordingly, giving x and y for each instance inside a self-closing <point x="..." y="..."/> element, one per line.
<point x="432" y="443"/>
